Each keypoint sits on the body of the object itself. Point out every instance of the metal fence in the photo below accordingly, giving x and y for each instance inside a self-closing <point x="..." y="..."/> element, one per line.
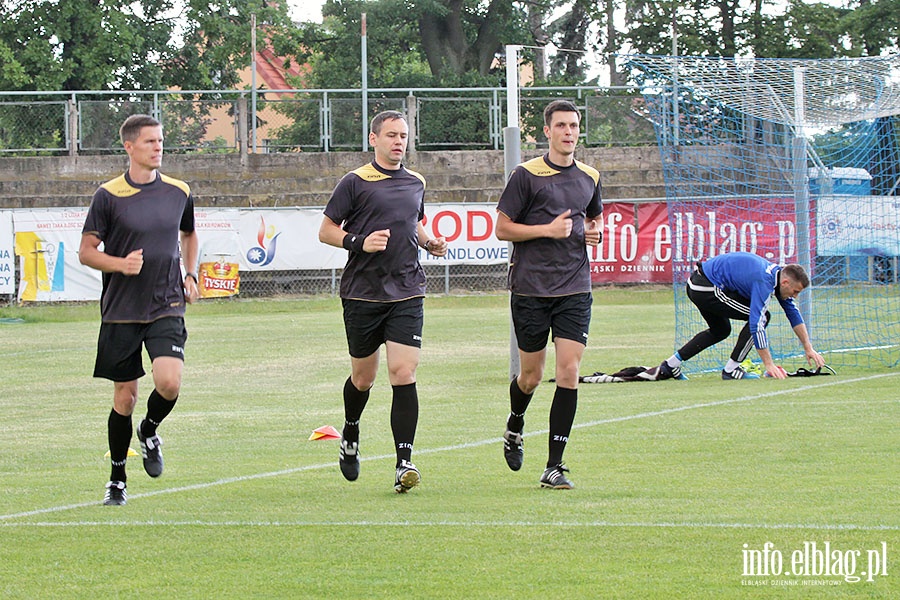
<point x="441" y="279"/>
<point x="209" y="121"/>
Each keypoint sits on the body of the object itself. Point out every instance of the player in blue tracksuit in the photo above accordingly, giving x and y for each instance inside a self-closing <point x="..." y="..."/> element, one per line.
<point x="739" y="285"/>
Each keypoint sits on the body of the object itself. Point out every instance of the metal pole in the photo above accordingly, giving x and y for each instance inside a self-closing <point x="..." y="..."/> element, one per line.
<point x="365" y="88"/>
<point x="242" y="128"/>
<point x="675" y="132"/>
<point x="512" y="156"/>
<point x="72" y="125"/>
<point x="801" y="188"/>
<point x="413" y="118"/>
<point x="253" y="79"/>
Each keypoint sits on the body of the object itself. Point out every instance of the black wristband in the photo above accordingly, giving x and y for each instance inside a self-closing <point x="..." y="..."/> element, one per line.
<point x="353" y="242"/>
<point x="193" y="276"/>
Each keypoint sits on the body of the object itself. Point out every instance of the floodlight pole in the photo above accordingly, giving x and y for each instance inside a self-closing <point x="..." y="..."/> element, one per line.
<point x="512" y="156"/>
<point x="801" y="187"/>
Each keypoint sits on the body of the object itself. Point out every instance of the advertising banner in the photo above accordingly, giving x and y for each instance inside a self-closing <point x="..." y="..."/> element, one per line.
<point x="7" y="255"/>
<point x="469" y="230"/>
<point x="634" y="248"/>
<point x="858" y="226"/>
<point x="274" y="240"/>
<point x="47" y="243"/>
<point x="642" y="245"/>
<point x="220" y="251"/>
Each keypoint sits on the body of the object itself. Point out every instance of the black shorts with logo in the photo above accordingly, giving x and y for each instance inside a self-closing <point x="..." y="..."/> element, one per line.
<point x="119" y="346"/>
<point x="370" y="324"/>
<point x="569" y="317"/>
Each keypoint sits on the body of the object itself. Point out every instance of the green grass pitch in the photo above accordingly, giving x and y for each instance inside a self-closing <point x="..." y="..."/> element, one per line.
<point x="684" y="489"/>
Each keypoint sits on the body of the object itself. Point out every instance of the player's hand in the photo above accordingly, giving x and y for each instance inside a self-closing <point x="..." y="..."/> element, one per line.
<point x="592" y="234"/>
<point x="437" y="246"/>
<point x="776" y="372"/>
<point x="133" y="262"/>
<point x="377" y="241"/>
<point x="191" y="291"/>
<point x="561" y="226"/>
<point x="814" y="357"/>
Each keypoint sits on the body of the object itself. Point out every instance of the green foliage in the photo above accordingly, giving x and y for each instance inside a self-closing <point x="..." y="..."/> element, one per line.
<point x="804" y="30"/>
<point x="122" y="45"/>
<point x="335" y="47"/>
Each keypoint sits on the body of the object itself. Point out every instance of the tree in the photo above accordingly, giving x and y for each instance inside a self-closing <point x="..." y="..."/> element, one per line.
<point x="81" y="44"/>
<point x="333" y="49"/>
<point x="454" y="40"/>
<point x="465" y="35"/>
<point x="570" y="32"/>
<point x="127" y="45"/>
<point x="216" y="41"/>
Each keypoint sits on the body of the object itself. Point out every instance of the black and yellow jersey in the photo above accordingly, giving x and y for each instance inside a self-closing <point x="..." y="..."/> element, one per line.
<point x="127" y="216"/>
<point x="369" y="199"/>
<point x="537" y="192"/>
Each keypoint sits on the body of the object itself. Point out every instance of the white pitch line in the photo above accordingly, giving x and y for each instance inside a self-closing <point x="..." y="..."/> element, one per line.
<point x="406" y="523"/>
<point x="644" y="415"/>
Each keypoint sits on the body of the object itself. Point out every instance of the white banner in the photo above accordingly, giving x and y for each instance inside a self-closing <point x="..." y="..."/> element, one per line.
<point x="286" y="240"/>
<point x="289" y="239"/>
<point x="469" y="229"/>
<point x="47" y="245"/>
<point x="47" y="242"/>
<point x="858" y="226"/>
<point x="7" y="255"/>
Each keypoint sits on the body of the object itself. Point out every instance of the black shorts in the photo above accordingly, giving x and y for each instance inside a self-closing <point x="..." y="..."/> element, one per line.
<point x="569" y="317"/>
<point x="712" y="300"/>
<point x="119" y="346"/>
<point x="370" y="324"/>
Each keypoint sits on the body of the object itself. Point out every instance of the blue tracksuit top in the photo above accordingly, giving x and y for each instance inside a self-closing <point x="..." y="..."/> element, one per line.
<point x="756" y="279"/>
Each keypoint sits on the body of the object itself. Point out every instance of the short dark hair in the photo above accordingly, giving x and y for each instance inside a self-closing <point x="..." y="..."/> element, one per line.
<point x="797" y="273"/>
<point x="559" y="106"/>
<point x="131" y="128"/>
<point x="387" y="115"/>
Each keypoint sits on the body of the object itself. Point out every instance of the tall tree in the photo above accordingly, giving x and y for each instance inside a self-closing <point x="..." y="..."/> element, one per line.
<point x="465" y="35"/>
<point x="82" y="44"/>
<point x="456" y="40"/>
<point x="131" y="44"/>
<point x="570" y="32"/>
<point x="216" y="40"/>
<point x="333" y="49"/>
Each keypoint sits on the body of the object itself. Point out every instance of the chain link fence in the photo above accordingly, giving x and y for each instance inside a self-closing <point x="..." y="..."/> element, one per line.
<point x="55" y="123"/>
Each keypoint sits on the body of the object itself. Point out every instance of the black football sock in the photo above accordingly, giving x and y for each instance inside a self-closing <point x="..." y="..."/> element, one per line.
<point x="354" y="404"/>
<point x="404" y="417"/>
<point x="158" y="408"/>
<point x="562" y="415"/>
<point x="119" y="431"/>
<point x="518" y="404"/>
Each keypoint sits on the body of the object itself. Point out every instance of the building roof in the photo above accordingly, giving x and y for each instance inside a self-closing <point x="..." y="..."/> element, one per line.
<point x="272" y="69"/>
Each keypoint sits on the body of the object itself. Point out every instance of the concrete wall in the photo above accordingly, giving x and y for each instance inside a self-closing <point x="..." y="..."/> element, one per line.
<point x="306" y="179"/>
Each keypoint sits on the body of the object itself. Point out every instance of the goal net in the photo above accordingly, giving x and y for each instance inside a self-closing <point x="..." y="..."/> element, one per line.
<point x="797" y="161"/>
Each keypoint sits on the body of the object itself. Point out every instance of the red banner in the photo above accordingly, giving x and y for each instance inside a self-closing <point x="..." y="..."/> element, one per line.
<point x="641" y="245"/>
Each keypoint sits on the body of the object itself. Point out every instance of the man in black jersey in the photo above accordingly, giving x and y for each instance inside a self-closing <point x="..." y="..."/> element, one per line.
<point x="376" y="214"/>
<point x="549" y="211"/>
<point x="140" y="217"/>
